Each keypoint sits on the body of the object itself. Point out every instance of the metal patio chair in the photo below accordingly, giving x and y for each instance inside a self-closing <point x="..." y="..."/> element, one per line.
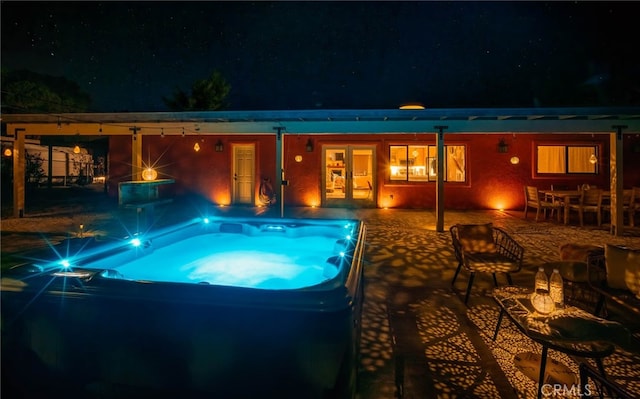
<point x="483" y="248"/>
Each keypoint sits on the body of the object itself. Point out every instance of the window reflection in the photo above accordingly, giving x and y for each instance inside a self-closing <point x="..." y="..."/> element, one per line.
<point x="419" y="163"/>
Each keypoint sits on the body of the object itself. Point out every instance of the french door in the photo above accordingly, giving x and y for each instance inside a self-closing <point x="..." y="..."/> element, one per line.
<point x="349" y="176"/>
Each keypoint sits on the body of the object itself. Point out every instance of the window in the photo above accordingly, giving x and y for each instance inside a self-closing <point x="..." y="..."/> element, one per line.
<point x="567" y="159"/>
<point x="419" y="163"/>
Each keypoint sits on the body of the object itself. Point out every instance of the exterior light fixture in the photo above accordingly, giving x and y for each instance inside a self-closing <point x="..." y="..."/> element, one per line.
<point x="298" y="158"/>
<point x="219" y="146"/>
<point x="76" y="149"/>
<point x="149" y="174"/>
<point x="7" y="152"/>
<point x="412" y="106"/>
<point x="514" y="160"/>
<point x="593" y="159"/>
<point x="503" y="147"/>
<point x="196" y="147"/>
<point x="309" y="146"/>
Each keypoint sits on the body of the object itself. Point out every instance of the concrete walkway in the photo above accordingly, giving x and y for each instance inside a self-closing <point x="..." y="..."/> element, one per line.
<point x="419" y="339"/>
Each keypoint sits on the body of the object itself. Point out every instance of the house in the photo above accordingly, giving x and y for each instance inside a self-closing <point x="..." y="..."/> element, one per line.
<point x="424" y="158"/>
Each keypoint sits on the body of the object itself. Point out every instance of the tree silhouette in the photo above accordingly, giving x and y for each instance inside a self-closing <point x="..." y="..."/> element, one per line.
<point x="206" y="95"/>
<point x="30" y="92"/>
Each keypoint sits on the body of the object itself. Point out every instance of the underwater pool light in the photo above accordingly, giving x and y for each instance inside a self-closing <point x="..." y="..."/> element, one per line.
<point x="136" y="242"/>
<point x="348" y="237"/>
<point x="342" y="253"/>
<point x="65" y="263"/>
<point x="206" y="220"/>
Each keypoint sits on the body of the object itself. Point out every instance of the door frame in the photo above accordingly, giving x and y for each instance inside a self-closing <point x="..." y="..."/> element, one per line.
<point x="234" y="167"/>
<point x="348" y="200"/>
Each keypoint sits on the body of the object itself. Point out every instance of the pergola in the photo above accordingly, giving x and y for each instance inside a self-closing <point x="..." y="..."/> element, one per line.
<point x="613" y="121"/>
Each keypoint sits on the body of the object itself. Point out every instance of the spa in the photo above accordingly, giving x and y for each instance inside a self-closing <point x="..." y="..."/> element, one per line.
<point x="236" y="307"/>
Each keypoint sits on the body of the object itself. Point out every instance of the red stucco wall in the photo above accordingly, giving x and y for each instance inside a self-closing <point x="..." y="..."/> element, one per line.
<point x="492" y="181"/>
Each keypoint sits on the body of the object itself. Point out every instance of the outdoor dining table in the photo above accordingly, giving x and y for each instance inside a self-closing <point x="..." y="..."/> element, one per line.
<point x="566" y="197"/>
<point x="569" y="329"/>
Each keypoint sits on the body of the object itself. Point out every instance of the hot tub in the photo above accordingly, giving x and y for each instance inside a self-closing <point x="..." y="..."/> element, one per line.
<point x="223" y="308"/>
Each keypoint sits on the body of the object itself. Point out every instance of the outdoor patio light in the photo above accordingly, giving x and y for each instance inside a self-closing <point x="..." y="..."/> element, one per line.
<point x="503" y="147"/>
<point x="149" y="174"/>
<point x="309" y="146"/>
<point x="412" y="106"/>
<point x="196" y="147"/>
<point x="593" y="159"/>
<point x="76" y="149"/>
<point x="298" y="158"/>
<point x="514" y="160"/>
<point x="542" y="301"/>
<point x="7" y="152"/>
<point x="219" y="146"/>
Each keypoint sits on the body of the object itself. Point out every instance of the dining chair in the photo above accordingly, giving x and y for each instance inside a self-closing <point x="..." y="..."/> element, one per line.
<point x="534" y="200"/>
<point x="590" y="202"/>
<point x="634" y="204"/>
<point x="626" y="204"/>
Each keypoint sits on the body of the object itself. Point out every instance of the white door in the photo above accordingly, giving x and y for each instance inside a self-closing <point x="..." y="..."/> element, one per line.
<point x="243" y="174"/>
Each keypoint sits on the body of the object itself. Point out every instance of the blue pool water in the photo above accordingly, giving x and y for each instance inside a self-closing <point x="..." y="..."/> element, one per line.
<point x="269" y="262"/>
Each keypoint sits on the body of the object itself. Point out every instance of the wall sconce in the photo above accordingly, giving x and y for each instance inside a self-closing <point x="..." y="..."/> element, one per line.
<point x="219" y="146"/>
<point x="503" y="147"/>
<point x="196" y="147"/>
<point x="593" y="159"/>
<point x="309" y="146"/>
<point x="76" y="149"/>
<point x="514" y="160"/>
<point x="7" y="152"/>
<point x="298" y="158"/>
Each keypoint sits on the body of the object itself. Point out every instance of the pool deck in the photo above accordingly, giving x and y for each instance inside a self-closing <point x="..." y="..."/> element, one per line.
<point x="419" y="339"/>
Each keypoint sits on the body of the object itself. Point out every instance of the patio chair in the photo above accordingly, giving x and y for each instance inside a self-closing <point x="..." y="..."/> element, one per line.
<point x="533" y="200"/>
<point x="594" y="384"/>
<point x="634" y="204"/>
<point x="627" y="198"/>
<point x="483" y="248"/>
<point x="590" y="202"/>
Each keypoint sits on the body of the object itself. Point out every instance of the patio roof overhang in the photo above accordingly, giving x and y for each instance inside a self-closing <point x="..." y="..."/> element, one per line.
<point x="473" y="120"/>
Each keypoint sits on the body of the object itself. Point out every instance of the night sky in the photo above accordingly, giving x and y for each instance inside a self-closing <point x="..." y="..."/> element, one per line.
<point x="334" y="55"/>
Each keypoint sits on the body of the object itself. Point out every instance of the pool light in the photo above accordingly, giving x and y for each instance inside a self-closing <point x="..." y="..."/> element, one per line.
<point x="136" y="242"/>
<point x="206" y="220"/>
<point x="65" y="263"/>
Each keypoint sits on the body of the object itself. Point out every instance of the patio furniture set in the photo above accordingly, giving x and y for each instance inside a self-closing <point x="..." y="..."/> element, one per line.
<point x="583" y="200"/>
<point x="609" y="274"/>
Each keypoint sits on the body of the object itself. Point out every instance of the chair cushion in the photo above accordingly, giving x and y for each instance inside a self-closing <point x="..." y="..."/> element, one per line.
<point x="577" y="252"/>
<point x="476" y="238"/>
<point x="623" y="267"/>
<point x="490" y="263"/>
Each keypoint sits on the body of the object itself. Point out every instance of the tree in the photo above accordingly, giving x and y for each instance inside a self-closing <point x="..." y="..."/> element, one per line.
<point x="30" y="92"/>
<point x="206" y="95"/>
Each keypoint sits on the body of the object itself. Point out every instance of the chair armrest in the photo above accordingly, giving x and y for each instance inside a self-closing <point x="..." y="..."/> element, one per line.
<point x="507" y="246"/>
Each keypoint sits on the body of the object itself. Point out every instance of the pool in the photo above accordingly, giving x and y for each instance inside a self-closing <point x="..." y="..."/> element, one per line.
<point x="229" y="307"/>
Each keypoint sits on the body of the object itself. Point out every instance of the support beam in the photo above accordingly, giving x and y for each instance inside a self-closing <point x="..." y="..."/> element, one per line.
<point x="136" y="154"/>
<point x="280" y="180"/>
<point x="616" y="181"/>
<point x="19" y="160"/>
<point x="440" y="180"/>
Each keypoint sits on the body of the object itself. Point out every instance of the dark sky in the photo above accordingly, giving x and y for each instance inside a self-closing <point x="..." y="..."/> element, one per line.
<point x="351" y="55"/>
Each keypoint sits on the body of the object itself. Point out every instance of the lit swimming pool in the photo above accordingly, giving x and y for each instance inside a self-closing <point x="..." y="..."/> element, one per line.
<point x="235" y="307"/>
